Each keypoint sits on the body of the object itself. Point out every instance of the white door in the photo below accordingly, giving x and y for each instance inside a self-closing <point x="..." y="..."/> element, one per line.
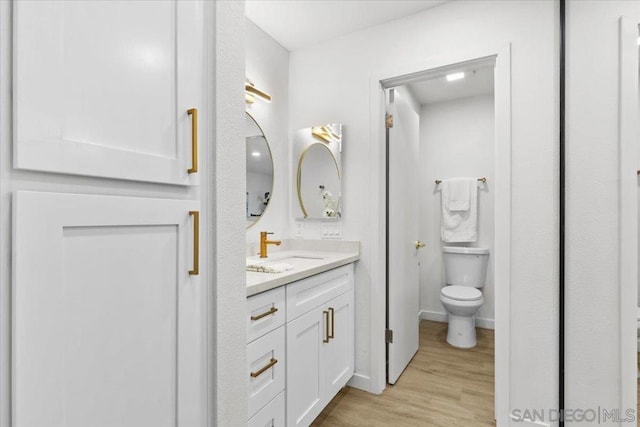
<point x="108" y="322"/>
<point x="403" y="282"/>
<point x="306" y="383"/>
<point x="103" y="88"/>
<point x="340" y="351"/>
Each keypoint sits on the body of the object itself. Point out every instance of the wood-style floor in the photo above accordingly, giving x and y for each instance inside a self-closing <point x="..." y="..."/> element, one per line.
<point x="442" y="386"/>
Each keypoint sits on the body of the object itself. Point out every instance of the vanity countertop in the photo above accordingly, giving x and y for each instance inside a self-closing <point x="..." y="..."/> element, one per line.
<point x="305" y="263"/>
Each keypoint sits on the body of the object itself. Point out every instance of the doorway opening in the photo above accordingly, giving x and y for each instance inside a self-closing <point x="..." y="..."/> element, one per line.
<point x="448" y="121"/>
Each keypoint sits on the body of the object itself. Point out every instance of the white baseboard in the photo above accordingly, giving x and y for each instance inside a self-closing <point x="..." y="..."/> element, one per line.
<point x="436" y="316"/>
<point x="361" y="382"/>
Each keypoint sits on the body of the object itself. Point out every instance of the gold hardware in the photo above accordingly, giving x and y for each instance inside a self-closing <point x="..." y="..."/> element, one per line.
<point x="265" y="314"/>
<point x="324" y="133"/>
<point x="251" y="92"/>
<point x="388" y="121"/>
<point x="264" y="242"/>
<point x="325" y="313"/>
<point x="331" y="310"/>
<point x="483" y="180"/>
<point x="196" y="243"/>
<point x="193" y="112"/>
<point x="261" y="370"/>
<point x="419" y="244"/>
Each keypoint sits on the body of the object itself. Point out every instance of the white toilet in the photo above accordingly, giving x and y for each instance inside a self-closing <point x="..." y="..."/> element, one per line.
<point x="465" y="272"/>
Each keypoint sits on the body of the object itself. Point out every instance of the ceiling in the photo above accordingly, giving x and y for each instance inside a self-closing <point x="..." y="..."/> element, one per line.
<point x="478" y="80"/>
<point x="301" y="23"/>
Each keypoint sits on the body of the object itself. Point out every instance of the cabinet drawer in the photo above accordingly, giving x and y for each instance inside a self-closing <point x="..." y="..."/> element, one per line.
<point x="271" y="415"/>
<point x="266" y="369"/>
<point x="265" y="312"/>
<point x="316" y="290"/>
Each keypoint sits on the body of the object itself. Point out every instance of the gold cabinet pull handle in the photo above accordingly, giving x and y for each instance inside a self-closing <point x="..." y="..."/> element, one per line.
<point x="265" y="314"/>
<point x="419" y="244"/>
<point x="261" y="370"/>
<point x="332" y="311"/>
<point x="193" y="112"/>
<point x="196" y="243"/>
<point x="325" y="313"/>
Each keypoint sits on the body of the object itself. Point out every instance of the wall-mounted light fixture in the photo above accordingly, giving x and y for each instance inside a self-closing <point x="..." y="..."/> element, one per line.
<point x="324" y="133"/>
<point x="251" y="93"/>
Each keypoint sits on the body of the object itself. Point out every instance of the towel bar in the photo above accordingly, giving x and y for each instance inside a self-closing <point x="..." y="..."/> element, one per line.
<point x="483" y="179"/>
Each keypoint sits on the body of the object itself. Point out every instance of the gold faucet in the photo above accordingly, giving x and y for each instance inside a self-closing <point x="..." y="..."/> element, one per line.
<point x="264" y="242"/>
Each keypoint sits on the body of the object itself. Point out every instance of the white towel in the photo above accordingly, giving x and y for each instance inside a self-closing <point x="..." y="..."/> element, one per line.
<point x="459" y="225"/>
<point x="272" y="267"/>
<point x="456" y="193"/>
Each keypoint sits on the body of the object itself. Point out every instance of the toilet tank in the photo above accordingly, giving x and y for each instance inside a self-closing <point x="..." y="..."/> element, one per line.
<point x="465" y="266"/>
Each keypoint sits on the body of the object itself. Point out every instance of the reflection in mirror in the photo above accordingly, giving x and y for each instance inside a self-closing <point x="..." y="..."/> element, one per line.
<point x="259" y="171"/>
<point x="318" y="186"/>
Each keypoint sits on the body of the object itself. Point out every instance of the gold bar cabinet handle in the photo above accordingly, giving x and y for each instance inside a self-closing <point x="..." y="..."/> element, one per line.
<point x="325" y="313"/>
<point x="196" y="243"/>
<point x="193" y="112"/>
<point x="261" y="370"/>
<point x="333" y="319"/>
<point x="265" y="314"/>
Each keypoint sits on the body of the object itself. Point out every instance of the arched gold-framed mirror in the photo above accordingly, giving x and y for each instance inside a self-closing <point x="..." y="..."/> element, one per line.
<point x="260" y="171"/>
<point x="318" y="186"/>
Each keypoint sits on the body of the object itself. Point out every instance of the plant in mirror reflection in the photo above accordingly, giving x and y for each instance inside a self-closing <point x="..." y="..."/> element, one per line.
<point x="331" y="207"/>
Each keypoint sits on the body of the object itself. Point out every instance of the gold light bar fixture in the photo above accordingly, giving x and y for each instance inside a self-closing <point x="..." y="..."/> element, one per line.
<point x="251" y="92"/>
<point x="324" y="133"/>
<point x="483" y="180"/>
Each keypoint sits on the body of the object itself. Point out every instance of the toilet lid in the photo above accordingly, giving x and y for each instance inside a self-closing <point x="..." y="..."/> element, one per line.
<point x="461" y="293"/>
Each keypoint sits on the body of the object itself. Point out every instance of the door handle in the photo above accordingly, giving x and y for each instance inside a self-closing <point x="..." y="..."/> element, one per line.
<point x="264" y="368"/>
<point x="325" y="313"/>
<point x="196" y="243"/>
<point x="419" y="244"/>
<point x="193" y="112"/>
<point x="332" y="312"/>
<point x="272" y="310"/>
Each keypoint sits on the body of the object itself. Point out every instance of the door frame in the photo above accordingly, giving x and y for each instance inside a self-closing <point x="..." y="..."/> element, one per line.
<point x="502" y="256"/>
<point x="629" y="129"/>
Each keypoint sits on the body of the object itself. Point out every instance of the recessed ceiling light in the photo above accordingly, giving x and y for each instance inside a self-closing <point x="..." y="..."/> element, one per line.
<point x="255" y="154"/>
<point x="455" y="76"/>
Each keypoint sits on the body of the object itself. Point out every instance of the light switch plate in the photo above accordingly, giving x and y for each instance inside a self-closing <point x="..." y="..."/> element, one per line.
<point x="331" y="230"/>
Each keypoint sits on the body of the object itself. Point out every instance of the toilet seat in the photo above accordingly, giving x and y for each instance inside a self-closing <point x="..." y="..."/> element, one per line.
<point x="461" y="293"/>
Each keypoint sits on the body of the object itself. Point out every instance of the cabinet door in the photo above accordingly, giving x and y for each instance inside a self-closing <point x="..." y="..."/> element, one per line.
<point x="102" y="88"/>
<point x="339" y="353"/>
<point x="108" y="324"/>
<point x="305" y="368"/>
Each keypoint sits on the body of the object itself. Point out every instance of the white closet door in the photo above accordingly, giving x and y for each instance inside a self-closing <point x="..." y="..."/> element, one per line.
<point x="108" y="324"/>
<point x="102" y="88"/>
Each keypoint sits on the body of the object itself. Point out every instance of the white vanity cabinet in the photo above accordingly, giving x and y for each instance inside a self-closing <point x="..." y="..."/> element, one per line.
<point x="266" y="358"/>
<point x="312" y="319"/>
<point x="104" y="88"/>
<point x="320" y="342"/>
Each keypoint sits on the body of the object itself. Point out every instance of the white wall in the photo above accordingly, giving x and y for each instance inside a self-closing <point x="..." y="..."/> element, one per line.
<point x="331" y="83"/>
<point x="593" y="178"/>
<point x="456" y="139"/>
<point x="267" y="66"/>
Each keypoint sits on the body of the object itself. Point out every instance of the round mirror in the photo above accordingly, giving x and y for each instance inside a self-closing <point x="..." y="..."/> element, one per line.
<point x="259" y="171"/>
<point x="318" y="182"/>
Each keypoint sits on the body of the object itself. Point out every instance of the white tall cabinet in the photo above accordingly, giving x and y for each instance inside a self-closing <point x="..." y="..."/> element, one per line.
<point x="109" y="312"/>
